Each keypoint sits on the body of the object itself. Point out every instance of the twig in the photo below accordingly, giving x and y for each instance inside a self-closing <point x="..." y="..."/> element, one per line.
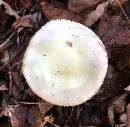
<point x="2" y="46"/>
<point x="123" y="10"/>
<point x="48" y="119"/>
<point x="10" y="82"/>
<point x="27" y="103"/>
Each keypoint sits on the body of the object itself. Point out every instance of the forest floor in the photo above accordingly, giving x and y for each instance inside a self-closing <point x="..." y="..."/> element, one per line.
<point x="20" y="107"/>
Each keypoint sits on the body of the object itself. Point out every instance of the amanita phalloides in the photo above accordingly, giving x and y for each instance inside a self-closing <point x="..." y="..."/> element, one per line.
<point x="65" y="63"/>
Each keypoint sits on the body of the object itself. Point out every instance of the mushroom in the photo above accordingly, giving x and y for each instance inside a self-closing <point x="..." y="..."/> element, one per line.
<point x="65" y="63"/>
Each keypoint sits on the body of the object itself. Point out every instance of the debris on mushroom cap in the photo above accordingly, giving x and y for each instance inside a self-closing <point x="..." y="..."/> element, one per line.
<point x="65" y="63"/>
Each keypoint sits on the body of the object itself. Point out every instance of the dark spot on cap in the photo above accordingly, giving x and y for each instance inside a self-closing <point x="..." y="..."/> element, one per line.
<point x="69" y="43"/>
<point x="74" y="35"/>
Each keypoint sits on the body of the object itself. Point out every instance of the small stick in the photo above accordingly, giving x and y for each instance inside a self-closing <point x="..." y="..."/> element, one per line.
<point x="2" y="45"/>
<point x="123" y="10"/>
<point x="27" y="103"/>
<point x="10" y="83"/>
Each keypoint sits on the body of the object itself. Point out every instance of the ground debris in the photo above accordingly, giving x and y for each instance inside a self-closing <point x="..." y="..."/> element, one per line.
<point x="56" y="13"/>
<point x="23" y="22"/>
<point x="116" y="108"/>
<point x="81" y="5"/>
<point x="127" y="88"/>
<point x="128" y="114"/>
<point x="9" y="10"/>
<point x="3" y="86"/>
<point x="34" y="116"/>
<point x="95" y="15"/>
<point x="44" y="107"/>
<point x="20" y="19"/>
<point x="18" y="115"/>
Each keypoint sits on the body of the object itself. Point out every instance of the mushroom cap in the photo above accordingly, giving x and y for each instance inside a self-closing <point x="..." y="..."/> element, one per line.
<point x="65" y="63"/>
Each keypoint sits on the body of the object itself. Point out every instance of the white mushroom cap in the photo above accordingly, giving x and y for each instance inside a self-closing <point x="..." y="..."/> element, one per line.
<point x="65" y="63"/>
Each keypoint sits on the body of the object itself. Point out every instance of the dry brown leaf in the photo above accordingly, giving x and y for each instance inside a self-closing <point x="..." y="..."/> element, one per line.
<point x="9" y="10"/>
<point x="56" y="13"/>
<point x="25" y="3"/>
<point x="95" y="15"/>
<point x="60" y="4"/>
<point x="34" y="116"/>
<point x="123" y="118"/>
<point x="122" y="39"/>
<point x="123" y="60"/>
<point x="116" y="107"/>
<point x="23" y="22"/>
<point x="128" y="114"/>
<point x="15" y="91"/>
<point x="127" y="88"/>
<point x="44" y="107"/>
<point x="4" y="111"/>
<point x="81" y="5"/>
<point x="17" y="78"/>
<point x="108" y="27"/>
<point x="18" y="4"/>
<point x="18" y="115"/>
<point x="3" y="86"/>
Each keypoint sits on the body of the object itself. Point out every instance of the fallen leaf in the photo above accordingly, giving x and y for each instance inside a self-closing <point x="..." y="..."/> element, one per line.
<point x="34" y="116"/>
<point x="3" y="86"/>
<point x="60" y="4"/>
<point x="18" y="115"/>
<point x="110" y="24"/>
<point x="9" y="10"/>
<point x="123" y="118"/>
<point x="109" y="83"/>
<point x="25" y="3"/>
<point x="4" y="111"/>
<point x="44" y="107"/>
<point x="122" y="39"/>
<point x="116" y="107"/>
<point x="81" y="5"/>
<point x="23" y="22"/>
<point x="57" y="13"/>
<point x="127" y="88"/>
<point x="29" y="92"/>
<point x="123" y="60"/>
<point x="95" y="15"/>
<point x="15" y="91"/>
<point x="17" y="79"/>
<point x="128" y="114"/>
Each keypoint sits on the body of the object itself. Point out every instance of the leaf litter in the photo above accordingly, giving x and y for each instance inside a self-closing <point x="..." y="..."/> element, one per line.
<point x="110" y="107"/>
